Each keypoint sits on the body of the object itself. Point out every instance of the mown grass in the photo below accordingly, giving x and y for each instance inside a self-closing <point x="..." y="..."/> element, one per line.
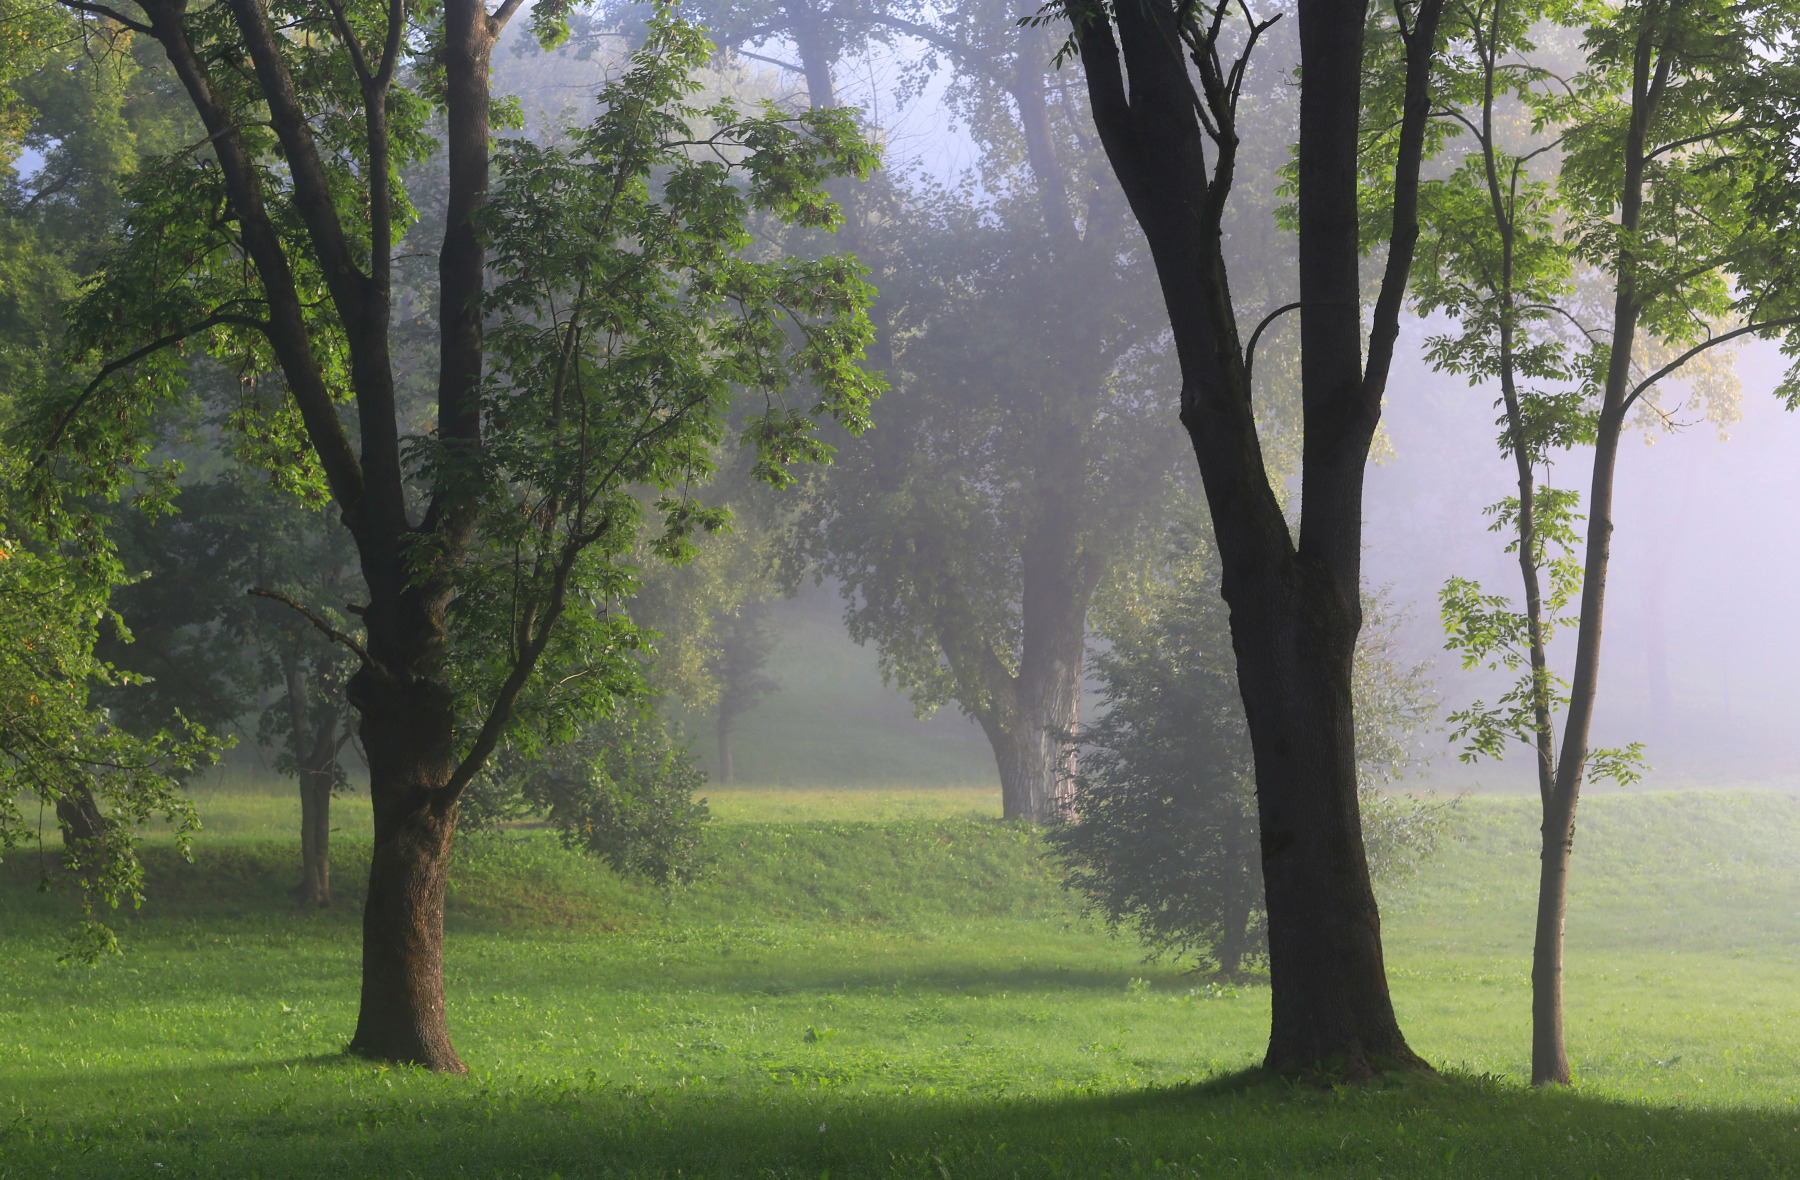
<point x="864" y="986"/>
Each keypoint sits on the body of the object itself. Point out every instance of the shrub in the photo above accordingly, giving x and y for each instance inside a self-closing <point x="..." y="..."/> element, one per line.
<point x="622" y="790"/>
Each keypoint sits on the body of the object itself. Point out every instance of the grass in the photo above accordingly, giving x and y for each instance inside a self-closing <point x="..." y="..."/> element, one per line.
<point x="875" y="983"/>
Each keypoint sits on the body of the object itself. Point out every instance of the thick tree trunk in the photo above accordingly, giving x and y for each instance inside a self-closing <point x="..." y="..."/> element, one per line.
<point x="1294" y="606"/>
<point x="1331" y="1007"/>
<point x="406" y="730"/>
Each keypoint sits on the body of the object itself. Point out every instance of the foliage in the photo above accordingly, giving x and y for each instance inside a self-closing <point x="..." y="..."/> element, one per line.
<point x="58" y="750"/>
<point x="1162" y="831"/>
<point x="622" y="790"/>
<point x="628" y="319"/>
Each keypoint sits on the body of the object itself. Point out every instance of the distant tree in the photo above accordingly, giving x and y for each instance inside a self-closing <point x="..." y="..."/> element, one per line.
<point x="713" y="615"/>
<point x="747" y="636"/>
<point x="208" y="646"/>
<point x="60" y="748"/>
<point x="57" y="749"/>
<point x="970" y="532"/>
<point x="1162" y="833"/>
<point x="623" y="319"/>
<point x="1655" y="197"/>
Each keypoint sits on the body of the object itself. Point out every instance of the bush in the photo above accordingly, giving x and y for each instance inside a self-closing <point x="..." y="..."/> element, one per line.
<point x="623" y="790"/>
<point x="1161" y="833"/>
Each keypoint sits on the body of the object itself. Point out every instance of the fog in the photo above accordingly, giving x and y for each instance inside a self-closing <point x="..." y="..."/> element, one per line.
<point x="1701" y="636"/>
<point x="1699" y="661"/>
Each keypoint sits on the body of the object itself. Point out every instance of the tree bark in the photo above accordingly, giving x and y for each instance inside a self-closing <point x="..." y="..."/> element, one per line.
<point x="406" y="730"/>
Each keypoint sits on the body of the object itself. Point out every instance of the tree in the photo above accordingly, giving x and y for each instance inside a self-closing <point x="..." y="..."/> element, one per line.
<point x="970" y="533"/>
<point x="59" y="746"/>
<point x="746" y="638"/>
<point x="1172" y="139"/>
<point x="1653" y="194"/>
<point x="1162" y="833"/>
<point x="623" y="319"/>
<point x="212" y="633"/>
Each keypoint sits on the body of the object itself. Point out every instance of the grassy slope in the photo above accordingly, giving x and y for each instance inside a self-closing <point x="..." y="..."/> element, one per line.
<point x="963" y="1019"/>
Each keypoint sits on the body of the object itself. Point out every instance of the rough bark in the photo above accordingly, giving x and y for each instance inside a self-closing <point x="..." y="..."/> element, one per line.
<point x="1295" y="609"/>
<point x="406" y="730"/>
<point x="78" y="815"/>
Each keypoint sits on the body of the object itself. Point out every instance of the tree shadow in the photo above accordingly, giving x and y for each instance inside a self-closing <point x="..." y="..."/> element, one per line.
<point x="351" y="1117"/>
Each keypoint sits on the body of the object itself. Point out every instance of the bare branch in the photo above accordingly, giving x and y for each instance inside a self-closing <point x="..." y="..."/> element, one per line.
<point x="330" y="632"/>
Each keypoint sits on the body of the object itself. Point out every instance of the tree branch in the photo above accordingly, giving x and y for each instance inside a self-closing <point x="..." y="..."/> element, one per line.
<point x="67" y="416"/>
<point x="109" y="14"/>
<point x="330" y="632"/>
<point x="1690" y="354"/>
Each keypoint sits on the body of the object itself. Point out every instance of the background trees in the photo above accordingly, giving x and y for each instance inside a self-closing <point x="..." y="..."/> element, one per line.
<point x="1020" y="453"/>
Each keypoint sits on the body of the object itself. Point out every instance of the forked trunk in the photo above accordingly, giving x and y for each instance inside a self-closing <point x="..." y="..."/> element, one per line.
<point x="407" y="733"/>
<point x="1331" y="1008"/>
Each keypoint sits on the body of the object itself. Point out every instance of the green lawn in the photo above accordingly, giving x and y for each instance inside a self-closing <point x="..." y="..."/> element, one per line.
<point x="879" y="983"/>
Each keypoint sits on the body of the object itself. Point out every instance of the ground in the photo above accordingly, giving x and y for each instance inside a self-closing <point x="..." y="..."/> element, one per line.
<point x="891" y="983"/>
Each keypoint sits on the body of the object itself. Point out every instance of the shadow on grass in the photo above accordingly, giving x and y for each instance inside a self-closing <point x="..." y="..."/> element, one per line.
<point x="340" y="1116"/>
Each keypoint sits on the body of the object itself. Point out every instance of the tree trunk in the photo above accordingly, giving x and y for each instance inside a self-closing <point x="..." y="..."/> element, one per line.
<point x="1234" y="933"/>
<point x="1036" y="712"/>
<point x="1295" y="608"/>
<point x="315" y="756"/>
<point x="1331" y="1007"/>
<point x="78" y="815"/>
<point x="315" y="840"/>
<point x="406" y="730"/>
<point x="1549" y="1056"/>
<point x="727" y="773"/>
<point x="316" y="781"/>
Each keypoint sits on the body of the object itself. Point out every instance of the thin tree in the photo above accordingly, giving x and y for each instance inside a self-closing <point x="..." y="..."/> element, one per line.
<point x="1650" y="195"/>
